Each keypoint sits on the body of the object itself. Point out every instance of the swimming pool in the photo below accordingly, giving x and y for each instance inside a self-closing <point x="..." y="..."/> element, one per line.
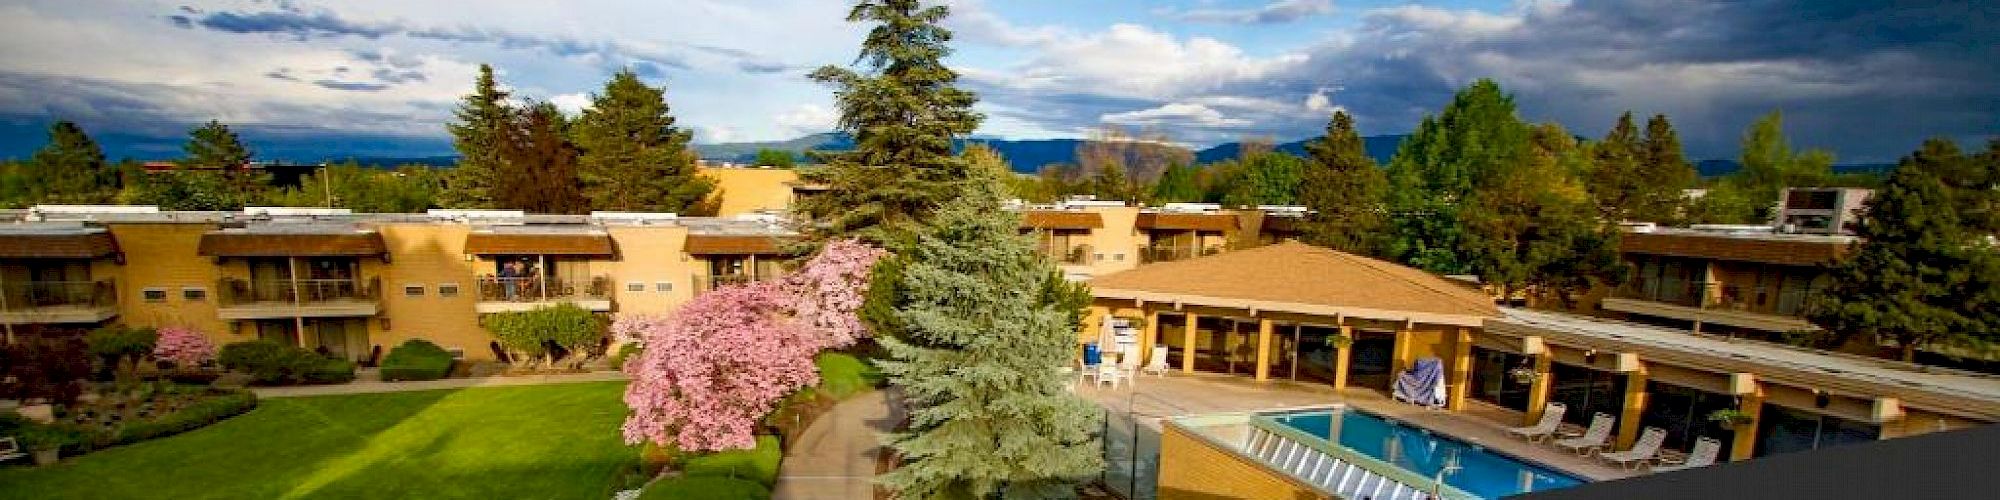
<point x="1481" y="472"/>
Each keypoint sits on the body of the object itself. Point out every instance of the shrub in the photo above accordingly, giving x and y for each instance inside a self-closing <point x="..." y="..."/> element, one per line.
<point x="48" y="368"/>
<point x="185" y="347"/>
<point x="703" y="488"/>
<point x="416" y="359"/>
<point x="194" y="416"/>
<point x="528" y="334"/>
<point x="272" y="363"/>
<point x="625" y="351"/>
<point x="115" y="345"/>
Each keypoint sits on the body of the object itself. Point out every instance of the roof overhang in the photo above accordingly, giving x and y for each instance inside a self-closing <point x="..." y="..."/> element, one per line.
<point x="1046" y="219"/>
<point x="1331" y="311"/>
<point x="586" y="244"/>
<point x="84" y="245"/>
<point x="1796" y="251"/>
<point x="710" y="244"/>
<point x="1192" y="222"/>
<point x="242" y="244"/>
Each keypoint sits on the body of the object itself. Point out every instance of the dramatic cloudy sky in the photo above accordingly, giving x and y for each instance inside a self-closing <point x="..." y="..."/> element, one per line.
<point x="374" y="77"/>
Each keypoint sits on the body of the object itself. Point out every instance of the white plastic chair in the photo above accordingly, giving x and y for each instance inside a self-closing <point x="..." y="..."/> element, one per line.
<point x="1642" y="450"/>
<point x="1705" y="451"/>
<point x="10" y="450"/>
<point x="1110" y="374"/>
<point x="1552" y="416"/>
<point x="1157" y="364"/>
<point x="1593" y="438"/>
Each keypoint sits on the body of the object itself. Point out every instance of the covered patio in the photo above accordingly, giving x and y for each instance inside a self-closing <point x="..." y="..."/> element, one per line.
<point x="1291" y="312"/>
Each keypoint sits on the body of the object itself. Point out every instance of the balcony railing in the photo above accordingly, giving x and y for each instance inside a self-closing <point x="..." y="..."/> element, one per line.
<point x="1169" y="254"/>
<point x="1669" y="290"/>
<point x="1075" y="255"/>
<point x="27" y="295"/>
<point x="537" y="289"/>
<point x="306" y="291"/>
<point x="706" y="282"/>
<point x="1788" y="302"/>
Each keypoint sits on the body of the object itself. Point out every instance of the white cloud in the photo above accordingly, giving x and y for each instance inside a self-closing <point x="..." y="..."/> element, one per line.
<point x="1175" y="115"/>
<point x="1281" y="11"/>
<point x="571" y="104"/>
<point x="971" y="20"/>
<point x="715" y="134"/>
<point x="1134" y="61"/>
<point x="806" y="119"/>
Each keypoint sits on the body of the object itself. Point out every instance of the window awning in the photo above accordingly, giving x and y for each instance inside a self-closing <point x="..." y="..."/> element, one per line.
<point x="1050" y="219"/>
<point x="87" y="245"/>
<point x="228" y="243"/>
<point x="481" y="243"/>
<point x="709" y="244"/>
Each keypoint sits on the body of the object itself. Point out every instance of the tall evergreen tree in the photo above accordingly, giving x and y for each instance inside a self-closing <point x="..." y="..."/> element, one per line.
<point x="634" y="159"/>
<point x="214" y="146"/>
<point x="1177" y="185"/>
<point x="478" y="133"/>
<point x="1922" y="276"/>
<point x="1439" y="166"/>
<point x="1109" y="183"/>
<point x="70" y="169"/>
<point x="973" y="317"/>
<point x="1344" y="188"/>
<point x="903" y="111"/>
<point x="538" y="168"/>
<point x="1664" y="174"/>
<point x="1613" y="177"/>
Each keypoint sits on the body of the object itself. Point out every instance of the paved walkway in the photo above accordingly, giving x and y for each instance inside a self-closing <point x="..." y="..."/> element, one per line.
<point x="367" y="387"/>
<point x="835" y="457"/>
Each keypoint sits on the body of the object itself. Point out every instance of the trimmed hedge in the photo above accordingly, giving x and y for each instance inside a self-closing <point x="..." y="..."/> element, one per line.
<point x="272" y="363"/>
<point x="416" y="359"/>
<point x="705" y="487"/>
<point x="194" y="416"/>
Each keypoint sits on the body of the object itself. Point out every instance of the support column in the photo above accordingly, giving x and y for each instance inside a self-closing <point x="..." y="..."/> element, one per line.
<point x="1264" y="329"/>
<point x="1538" y="392"/>
<point x="1635" y="406"/>
<point x="1340" y="358"/>
<point x="1461" y="370"/>
<point x="1399" y="358"/>
<point x="1745" y="444"/>
<point x="1187" y="343"/>
<point x="1149" y="336"/>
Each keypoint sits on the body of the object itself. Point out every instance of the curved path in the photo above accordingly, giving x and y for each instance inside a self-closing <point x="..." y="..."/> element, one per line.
<point x="835" y="457"/>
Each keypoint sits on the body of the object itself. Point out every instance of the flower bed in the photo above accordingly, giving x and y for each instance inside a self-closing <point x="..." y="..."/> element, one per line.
<point x="150" y="410"/>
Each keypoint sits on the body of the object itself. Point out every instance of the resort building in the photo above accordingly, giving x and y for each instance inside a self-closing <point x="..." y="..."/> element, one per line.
<point x="1291" y="314"/>
<point x="1731" y="280"/>
<point x="353" y="285"/>
<point x="1090" y="238"/>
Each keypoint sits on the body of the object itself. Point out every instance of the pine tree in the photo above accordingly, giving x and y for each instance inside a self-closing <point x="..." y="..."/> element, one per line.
<point x="538" y="168"/>
<point x="1109" y="183"/>
<point x="972" y="318"/>
<point x="1664" y="174"/>
<point x="479" y="134"/>
<point x="903" y="111"/>
<point x="1177" y="185"/>
<point x="214" y="147"/>
<point x="1344" y="188"/>
<point x="1922" y="276"/>
<point x="1439" y="166"/>
<point x="634" y="159"/>
<point x="70" y="169"/>
<point x="1614" y="173"/>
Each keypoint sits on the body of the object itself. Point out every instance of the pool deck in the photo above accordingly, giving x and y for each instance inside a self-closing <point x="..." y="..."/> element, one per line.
<point x="1179" y="394"/>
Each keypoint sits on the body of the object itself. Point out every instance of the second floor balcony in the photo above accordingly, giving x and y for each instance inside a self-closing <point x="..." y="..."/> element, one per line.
<point x="40" y="302"/>
<point x="268" y="298"/>
<point x="1744" y="306"/>
<point x="1154" y="254"/>
<point x="503" y="294"/>
<point x="1075" y="255"/>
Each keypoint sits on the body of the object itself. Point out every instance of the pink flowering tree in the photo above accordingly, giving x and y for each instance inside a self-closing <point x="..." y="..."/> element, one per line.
<point x="183" y="346"/>
<point x="711" y="370"/>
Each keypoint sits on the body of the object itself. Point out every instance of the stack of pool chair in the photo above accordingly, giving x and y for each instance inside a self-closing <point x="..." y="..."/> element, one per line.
<point x="1422" y="385"/>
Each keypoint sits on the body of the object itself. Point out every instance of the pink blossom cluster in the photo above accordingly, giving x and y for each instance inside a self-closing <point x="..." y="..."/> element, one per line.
<point x="711" y="370"/>
<point x="183" y="346"/>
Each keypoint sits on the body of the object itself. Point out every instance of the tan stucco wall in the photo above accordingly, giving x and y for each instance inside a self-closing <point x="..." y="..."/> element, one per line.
<point x="1193" y="469"/>
<point x="745" y="190"/>
<point x="649" y="255"/>
<point x="1119" y="240"/>
<point x="428" y="254"/>
<point x="163" y="256"/>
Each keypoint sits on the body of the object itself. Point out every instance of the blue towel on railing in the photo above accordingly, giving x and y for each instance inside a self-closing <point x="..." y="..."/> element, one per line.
<point x="1419" y="384"/>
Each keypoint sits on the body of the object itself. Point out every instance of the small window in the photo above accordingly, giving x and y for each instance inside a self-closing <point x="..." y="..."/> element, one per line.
<point x="154" y="294"/>
<point x="663" y="286"/>
<point x="447" y="290"/>
<point x="1119" y="257"/>
<point x="413" y="290"/>
<point x="194" y="294"/>
<point x="635" y="287"/>
<point x="1099" y="257"/>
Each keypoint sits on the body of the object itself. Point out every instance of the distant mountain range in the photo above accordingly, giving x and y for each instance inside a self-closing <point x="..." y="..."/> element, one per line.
<point x="1026" y="156"/>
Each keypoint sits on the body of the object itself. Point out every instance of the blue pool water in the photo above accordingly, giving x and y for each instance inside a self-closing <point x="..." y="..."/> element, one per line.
<point x="1483" y="473"/>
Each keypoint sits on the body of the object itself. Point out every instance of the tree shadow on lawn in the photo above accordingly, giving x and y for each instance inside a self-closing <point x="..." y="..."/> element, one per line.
<point x="536" y="441"/>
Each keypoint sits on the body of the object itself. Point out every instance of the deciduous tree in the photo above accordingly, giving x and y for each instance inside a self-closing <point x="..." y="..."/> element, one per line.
<point x="538" y="167"/>
<point x="1177" y="185"/>
<point x="1438" y="167"/>
<point x="1749" y="195"/>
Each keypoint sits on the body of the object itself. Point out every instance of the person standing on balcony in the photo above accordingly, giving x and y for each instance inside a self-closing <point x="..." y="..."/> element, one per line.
<point x="510" y="272"/>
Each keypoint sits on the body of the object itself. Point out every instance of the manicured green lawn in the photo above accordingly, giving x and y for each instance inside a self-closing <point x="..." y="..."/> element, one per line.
<point x="843" y="375"/>
<point x="551" y="441"/>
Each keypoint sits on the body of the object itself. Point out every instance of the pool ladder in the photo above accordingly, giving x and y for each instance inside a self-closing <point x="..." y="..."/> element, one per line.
<point x="1342" y="479"/>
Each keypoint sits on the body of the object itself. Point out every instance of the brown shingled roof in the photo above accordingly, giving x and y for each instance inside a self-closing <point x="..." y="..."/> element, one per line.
<point x="1055" y="219"/>
<point x="1200" y="222"/>
<point x="710" y="244"/>
<point x="233" y="244"/>
<point x="58" y="246"/>
<point x="481" y="243"/>
<point x="1795" y="252"/>
<point x="1296" y="277"/>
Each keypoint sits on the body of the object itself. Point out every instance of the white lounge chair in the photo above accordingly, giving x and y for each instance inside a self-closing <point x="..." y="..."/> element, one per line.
<point x="1643" y="450"/>
<point x="1128" y="364"/>
<point x="1704" y="454"/>
<point x="1157" y="364"/>
<point x="1108" y="373"/>
<point x="1592" y="438"/>
<point x="9" y="449"/>
<point x="1552" y="416"/>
